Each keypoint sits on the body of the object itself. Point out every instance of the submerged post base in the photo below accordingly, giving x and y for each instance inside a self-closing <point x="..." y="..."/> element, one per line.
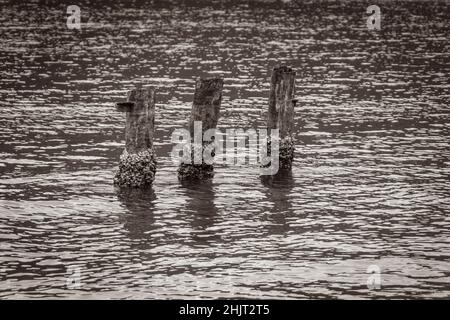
<point x="286" y="150"/>
<point x="195" y="171"/>
<point x="286" y="153"/>
<point x="136" y="169"/>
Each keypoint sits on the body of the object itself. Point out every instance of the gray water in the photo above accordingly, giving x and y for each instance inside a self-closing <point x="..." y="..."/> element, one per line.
<point x="369" y="185"/>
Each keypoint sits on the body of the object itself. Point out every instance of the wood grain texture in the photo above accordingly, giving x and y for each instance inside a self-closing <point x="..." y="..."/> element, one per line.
<point x="281" y="104"/>
<point x="140" y="119"/>
<point x="206" y="109"/>
<point x="206" y="105"/>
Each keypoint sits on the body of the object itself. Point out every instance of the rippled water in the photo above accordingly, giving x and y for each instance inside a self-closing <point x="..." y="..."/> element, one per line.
<point x="369" y="186"/>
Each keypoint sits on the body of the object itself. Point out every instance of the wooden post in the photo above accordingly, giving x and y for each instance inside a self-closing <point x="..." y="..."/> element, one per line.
<point x="137" y="164"/>
<point x="205" y="108"/>
<point x="281" y="111"/>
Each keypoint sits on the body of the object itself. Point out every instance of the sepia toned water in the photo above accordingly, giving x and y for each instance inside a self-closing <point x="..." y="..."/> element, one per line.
<point x="369" y="188"/>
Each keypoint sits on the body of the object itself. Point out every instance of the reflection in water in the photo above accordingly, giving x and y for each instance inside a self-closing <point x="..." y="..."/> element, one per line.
<point x="201" y="210"/>
<point x="139" y="219"/>
<point x="277" y="192"/>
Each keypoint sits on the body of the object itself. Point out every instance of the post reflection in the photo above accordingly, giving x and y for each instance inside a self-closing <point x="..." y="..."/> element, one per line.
<point x="202" y="210"/>
<point x="140" y="204"/>
<point x="277" y="192"/>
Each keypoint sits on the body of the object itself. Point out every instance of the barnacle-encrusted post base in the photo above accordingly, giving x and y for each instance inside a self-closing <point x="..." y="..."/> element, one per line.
<point x="195" y="171"/>
<point x="136" y="169"/>
<point x="286" y="151"/>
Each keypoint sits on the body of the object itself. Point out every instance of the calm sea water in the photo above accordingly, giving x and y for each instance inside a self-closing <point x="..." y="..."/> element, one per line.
<point x="369" y="186"/>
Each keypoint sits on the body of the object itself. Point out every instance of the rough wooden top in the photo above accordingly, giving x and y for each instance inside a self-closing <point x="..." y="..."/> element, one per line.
<point x="283" y="69"/>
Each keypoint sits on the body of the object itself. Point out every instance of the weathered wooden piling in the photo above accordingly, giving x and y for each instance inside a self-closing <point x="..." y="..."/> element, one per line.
<point x="281" y="112"/>
<point x="206" y="109"/>
<point x="137" y="165"/>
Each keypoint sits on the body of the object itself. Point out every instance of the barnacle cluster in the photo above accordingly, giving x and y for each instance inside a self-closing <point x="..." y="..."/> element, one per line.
<point x="192" y="171"/>
<point x="136" y="169"/>
<point x="286" y="152"/>
<point x="195" y="171"/>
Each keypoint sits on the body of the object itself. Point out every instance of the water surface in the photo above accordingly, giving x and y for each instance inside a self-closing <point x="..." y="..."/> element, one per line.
<point x="369" y="185"/>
